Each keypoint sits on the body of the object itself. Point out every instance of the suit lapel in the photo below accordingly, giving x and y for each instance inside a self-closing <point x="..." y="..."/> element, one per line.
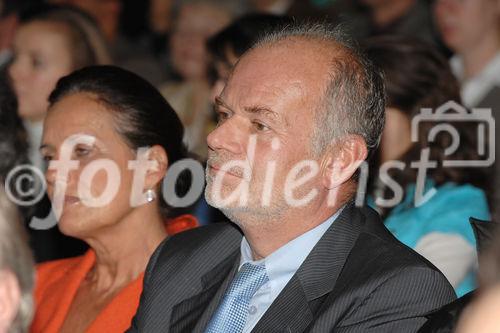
<point x="193" y="314"/>
<point x="295" y="307"/>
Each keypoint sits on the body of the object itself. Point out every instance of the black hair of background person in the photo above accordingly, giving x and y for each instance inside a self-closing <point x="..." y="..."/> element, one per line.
<point x="242" y="33"/>
<point x="13" y="137"/>
<point x="418" y="76"/>
<point x="418" y="23"/>
<point x="144" y="118"/>
<point x="46" y="244"/>
<point x="15" y="6"/>
<point x="134" y="18"/>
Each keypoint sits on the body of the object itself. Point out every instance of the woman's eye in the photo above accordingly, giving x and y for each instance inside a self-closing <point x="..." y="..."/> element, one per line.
<point x="47" y="158"/>
<point x="37" y="63"/>
<point x="81" y="151"/>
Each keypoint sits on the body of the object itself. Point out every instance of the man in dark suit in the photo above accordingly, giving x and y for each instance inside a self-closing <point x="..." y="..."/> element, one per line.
<point x="298" y="115"/>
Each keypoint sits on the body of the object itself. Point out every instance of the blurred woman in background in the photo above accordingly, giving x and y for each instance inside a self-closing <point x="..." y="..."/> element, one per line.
<point x="194" y="22"/>
<point x="437" y="227"/>
<point x="47" y="46"/>
<point x="471" y="29"/>
<point x="104" y="113"/>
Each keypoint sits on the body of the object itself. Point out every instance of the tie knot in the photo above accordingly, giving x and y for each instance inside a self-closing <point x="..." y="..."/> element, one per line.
<point x="247" y="281"/>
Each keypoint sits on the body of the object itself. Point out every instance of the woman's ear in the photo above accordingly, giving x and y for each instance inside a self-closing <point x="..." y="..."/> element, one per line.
<point x="10" y="299"/>
<point x="342" y="160"/>
<point x="157" y="161"/>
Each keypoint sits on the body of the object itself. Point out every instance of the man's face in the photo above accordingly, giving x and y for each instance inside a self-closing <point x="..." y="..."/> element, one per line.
<point x="266" y="120"/>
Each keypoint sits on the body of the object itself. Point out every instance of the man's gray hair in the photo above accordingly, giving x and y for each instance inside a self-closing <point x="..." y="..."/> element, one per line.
<point x="16" y="257"/>
<point x="354" y="102"/>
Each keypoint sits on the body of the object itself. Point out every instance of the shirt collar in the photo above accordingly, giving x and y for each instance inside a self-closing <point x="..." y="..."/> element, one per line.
<point x="288" y="258"/>
<point x="475" y="88"/>
<point x="489" y="71"/>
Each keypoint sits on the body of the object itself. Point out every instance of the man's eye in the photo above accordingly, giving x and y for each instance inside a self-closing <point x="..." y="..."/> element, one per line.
<point x="221" y="116"/>
<point x="260" y="126"/>
<point x="47" y="158"/>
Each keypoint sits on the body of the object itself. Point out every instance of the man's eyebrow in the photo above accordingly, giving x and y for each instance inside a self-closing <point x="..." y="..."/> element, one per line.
<point x="258" y="110"/>
<point x="220" y="102"/>
<point x="262" y="110"/>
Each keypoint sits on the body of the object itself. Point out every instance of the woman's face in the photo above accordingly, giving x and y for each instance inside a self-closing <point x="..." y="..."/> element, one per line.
<point x="194" y="25"/>
<point x="41" y="57"/>
<point x="86" y="129"/>
<point x="464" y="23"/>
<point x="396" y="138"/>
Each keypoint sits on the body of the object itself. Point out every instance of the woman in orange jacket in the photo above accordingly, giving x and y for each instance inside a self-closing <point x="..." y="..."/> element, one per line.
<point x="109" y="137"/>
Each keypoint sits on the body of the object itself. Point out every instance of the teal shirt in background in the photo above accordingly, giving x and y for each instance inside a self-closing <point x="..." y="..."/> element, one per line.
<point x="447" y="211"/>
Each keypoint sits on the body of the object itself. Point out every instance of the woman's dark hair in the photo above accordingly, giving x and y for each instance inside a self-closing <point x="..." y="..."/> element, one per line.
<point x="143" y="117"/>
<point x="417" y="76"/>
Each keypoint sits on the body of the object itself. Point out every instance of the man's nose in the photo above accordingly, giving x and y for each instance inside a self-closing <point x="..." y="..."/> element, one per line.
<point x="227" y="136"/>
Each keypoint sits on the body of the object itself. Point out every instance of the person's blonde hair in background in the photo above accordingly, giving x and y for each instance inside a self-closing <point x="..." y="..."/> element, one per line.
<point x="16" y="271"/>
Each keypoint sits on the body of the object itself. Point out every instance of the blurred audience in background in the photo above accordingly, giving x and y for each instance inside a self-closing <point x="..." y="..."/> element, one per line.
<point x="128" y="34"/>
<point x="437" y="227"/>
<point x="46" y="244"/>
<point x="194" y="22"/>
<point x="230" y="43"/>
<point x="9" y="19"/>
<point x="8" y="24"/>
<point x="16" y="271"/>
<point x="13" y="137"/>
<point x="47" y="46"/>
<point x="13" y="145"/>
<point x="471" y="29"/>
<point x="105" y="12"/>
<point x="299" y="9"/>
<point x="276" y="7"/>
<point x="411" y="18"/>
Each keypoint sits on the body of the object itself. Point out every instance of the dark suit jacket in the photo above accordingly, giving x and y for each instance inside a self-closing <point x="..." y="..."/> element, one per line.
<point x="357" y="278"/>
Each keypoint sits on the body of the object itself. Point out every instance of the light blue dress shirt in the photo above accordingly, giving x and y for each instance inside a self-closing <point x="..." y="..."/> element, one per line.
<point x="281" y="265"/>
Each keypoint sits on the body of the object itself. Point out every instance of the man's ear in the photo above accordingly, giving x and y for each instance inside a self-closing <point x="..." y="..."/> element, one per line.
<point x="158" y="161"/>
<point x="342" y="160"/>
<point x="10" y="299"/>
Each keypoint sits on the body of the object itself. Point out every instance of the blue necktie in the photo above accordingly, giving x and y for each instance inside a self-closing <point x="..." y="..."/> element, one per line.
<point x="231" y="315"/>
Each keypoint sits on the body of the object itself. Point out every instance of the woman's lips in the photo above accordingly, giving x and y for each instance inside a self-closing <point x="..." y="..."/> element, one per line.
<point x="71" y="200"/>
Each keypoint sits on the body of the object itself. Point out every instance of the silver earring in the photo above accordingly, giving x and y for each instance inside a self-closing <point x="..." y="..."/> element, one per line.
<point x="150" y="195"/>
